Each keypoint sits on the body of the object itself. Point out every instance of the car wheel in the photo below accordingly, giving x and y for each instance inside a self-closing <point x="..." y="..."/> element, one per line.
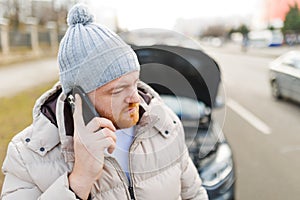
<point x="276" y="90"/>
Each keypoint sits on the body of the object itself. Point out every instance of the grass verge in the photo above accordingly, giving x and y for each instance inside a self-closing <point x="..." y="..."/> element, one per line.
<point x="15" y="115"/>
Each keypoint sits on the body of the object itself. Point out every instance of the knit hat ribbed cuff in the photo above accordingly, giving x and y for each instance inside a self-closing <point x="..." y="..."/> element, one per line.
<point x="103" y="67"/>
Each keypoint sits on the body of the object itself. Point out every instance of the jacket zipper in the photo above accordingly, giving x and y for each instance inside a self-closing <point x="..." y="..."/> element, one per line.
<point x="131" y="192"/>
<point x="116" y="164"/>
<point x="123" y="175"/>
<point x="113" y="161"/>
<point x="130" y="188"/>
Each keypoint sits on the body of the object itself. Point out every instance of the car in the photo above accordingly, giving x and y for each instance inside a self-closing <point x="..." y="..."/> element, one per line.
<point x="284" y="76"/>
<point x="188" y="81"/>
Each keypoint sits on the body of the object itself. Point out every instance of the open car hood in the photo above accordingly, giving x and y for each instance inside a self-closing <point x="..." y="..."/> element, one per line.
<point x="180" y="71"/>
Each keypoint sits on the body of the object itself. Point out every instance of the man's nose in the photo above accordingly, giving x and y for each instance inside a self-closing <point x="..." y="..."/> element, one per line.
<point x="133" y="97"/>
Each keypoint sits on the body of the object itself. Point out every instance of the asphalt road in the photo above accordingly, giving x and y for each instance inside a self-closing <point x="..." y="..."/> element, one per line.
<point x="264" y="133"/>
<point x="18" y="77"/>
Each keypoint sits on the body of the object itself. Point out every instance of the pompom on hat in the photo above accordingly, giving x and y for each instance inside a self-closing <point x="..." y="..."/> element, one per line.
<point x="91" y="55"/>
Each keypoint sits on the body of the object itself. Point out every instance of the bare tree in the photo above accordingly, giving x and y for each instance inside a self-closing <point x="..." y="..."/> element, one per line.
<point x="215" y="31"/>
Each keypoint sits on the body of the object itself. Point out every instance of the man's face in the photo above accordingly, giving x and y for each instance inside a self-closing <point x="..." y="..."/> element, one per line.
<point x="118" y="100"/>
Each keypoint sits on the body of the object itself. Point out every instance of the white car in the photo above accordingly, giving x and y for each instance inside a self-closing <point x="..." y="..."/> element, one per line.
<point x="285" y="76"/>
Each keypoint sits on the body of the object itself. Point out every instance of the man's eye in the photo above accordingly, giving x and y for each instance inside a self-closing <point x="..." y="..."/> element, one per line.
<point x="117" y="91"/>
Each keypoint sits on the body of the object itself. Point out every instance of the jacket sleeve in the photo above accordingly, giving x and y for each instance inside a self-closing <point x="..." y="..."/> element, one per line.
<point x="191" y="184"/>
<point x="19" y="185"/>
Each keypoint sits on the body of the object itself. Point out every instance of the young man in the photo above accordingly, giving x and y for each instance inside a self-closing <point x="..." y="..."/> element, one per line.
<point x="134" y="150"/>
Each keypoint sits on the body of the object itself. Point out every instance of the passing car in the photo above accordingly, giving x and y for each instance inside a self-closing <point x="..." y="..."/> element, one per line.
<point x="188" y="81"/>
<point x="285" y="76"/>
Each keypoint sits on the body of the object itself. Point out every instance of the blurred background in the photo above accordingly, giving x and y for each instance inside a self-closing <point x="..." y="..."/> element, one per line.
<point x="38" y="25"/>
<point x="244" y="37"/>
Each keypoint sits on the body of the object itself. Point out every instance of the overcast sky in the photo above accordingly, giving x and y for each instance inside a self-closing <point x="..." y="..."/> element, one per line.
<point x="163" y="13"/>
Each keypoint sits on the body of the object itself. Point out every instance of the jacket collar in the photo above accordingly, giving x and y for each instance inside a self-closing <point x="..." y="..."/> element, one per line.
<point x="43" y="135"/>
<point x="156" y="114"/>
<point x="48" y="126"/>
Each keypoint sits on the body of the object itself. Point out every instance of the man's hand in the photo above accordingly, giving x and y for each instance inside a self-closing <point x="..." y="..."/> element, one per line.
<point x="90" y="141"/>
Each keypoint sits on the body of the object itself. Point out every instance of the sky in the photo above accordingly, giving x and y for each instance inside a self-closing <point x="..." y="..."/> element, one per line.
<point x="134" y="14"/>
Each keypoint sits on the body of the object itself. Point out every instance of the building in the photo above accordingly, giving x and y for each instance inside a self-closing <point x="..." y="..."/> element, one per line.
<point x="276" y="10"/>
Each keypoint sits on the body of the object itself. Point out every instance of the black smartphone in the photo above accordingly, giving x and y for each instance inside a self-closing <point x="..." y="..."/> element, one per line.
<point x="88" y="109"/>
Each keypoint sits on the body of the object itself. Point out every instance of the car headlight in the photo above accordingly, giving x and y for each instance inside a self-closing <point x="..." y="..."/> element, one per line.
<point x="219" y="168"/>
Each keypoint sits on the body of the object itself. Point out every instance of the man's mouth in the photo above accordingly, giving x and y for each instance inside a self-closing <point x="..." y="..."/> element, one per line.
<point x="133" y="112"/>
<point x="133" y="108"/>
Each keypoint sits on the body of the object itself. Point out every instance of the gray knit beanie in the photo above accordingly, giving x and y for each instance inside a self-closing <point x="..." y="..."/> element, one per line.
<point x="91" y="55"/>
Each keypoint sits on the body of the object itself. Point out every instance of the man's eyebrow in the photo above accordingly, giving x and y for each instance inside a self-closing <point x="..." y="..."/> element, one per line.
<point x="118" y="87"/>
<point x="123" y="85"/>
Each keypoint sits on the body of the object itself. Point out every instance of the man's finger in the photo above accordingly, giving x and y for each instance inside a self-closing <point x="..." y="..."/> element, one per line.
<point x="96" y="123"/>
<point x="109" y="144"/>
<point x="104" y="133"/>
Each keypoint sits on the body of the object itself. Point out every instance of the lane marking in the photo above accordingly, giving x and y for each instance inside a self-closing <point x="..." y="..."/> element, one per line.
<point x="249" y="117"/>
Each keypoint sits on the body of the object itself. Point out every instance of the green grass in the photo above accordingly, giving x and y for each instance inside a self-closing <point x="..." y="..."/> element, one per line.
<point x="15" y="115"/>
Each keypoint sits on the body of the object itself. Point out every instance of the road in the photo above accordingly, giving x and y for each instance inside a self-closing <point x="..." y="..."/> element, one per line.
<point x="21" y="76"/>
<point x="264" y="133"/>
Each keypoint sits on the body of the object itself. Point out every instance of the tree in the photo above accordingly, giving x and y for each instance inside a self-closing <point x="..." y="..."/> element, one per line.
<point x="243" y="29"/>
<point x="215" y="31"/>
<point x="292" y="20"/>
<point x="13" y="13"/>
<point x="271" y="27"/>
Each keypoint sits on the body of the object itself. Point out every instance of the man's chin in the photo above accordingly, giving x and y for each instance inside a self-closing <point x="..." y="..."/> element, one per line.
<point x="127" y="123"/>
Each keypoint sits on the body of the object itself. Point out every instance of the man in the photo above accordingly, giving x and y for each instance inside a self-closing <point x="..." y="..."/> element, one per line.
<point x="134" y="150"/>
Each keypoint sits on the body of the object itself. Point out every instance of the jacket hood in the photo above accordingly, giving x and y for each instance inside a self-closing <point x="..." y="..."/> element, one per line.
<point x="40" y="140"/>
<point x="52" y="112"/>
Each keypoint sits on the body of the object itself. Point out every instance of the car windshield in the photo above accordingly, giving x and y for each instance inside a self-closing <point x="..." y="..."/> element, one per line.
<point x="292" y="58"/>
<point x="186" y="108"/>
